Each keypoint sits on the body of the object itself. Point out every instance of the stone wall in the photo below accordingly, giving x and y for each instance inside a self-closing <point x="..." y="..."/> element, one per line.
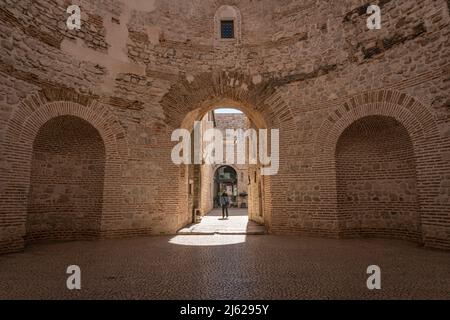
<point x="231" y="121"/>
<point x="139" y="69"/>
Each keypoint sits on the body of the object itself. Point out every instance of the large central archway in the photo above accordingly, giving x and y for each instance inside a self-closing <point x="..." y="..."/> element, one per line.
<point x="204" y="182"/>
<point x="189" y="99"/>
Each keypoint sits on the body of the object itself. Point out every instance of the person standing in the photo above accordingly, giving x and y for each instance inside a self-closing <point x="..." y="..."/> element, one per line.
<point x="224" y="203"/>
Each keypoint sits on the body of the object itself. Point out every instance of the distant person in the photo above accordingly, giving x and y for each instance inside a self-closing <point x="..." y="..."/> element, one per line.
<point x="224" y="203"/>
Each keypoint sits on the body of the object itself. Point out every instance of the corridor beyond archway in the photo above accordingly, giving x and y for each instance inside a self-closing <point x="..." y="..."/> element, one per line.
<point x="226" y="180"/>
<point x="207" y="182"/>
<point x="213" y="223"/>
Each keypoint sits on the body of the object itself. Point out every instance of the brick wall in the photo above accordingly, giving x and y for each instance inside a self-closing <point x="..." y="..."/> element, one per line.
<point x="376" y="180"/>
<point x="67" y="176"/>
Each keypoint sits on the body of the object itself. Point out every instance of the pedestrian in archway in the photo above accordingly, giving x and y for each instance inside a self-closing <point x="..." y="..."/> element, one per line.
<point x="224" y="203"/>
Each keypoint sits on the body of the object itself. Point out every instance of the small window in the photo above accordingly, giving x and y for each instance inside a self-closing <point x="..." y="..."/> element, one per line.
<point x="227" y="29"/>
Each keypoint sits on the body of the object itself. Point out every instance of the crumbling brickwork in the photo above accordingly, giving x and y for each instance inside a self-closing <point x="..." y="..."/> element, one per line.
<point x="137" y="70"/>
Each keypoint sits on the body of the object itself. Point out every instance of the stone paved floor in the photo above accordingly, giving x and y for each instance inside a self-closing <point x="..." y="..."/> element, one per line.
<point x="237" y="223"/>
<point x="226" y="267"/>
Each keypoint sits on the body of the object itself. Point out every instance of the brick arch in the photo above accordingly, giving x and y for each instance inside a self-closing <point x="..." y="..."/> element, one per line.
<point x="36" y="111"/>
<point x="24" y="125"/>
<point x="412" y="115"/>
<point x="195" y="95"/>
<point x="218" y="166"/>
<point x="205" y="90"/>
<point x="415" y="116"/>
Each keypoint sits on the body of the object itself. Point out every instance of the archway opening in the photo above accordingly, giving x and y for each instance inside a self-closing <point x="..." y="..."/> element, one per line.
<point x="216" y="179"/>
<point x="67" y="177"/>
<point x="226" y="181"/>
<point x="242" y="182"/>
<point x="376" y="180"/>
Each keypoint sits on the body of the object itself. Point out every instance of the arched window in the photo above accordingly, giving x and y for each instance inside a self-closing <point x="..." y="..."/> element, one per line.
<point x="227" y="24"/>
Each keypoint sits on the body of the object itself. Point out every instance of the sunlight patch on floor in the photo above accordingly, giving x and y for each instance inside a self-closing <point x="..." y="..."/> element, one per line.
<point x="208" y="240"/>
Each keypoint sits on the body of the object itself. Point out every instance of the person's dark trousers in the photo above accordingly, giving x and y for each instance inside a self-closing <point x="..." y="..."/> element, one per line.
<point x="224" y="211"/>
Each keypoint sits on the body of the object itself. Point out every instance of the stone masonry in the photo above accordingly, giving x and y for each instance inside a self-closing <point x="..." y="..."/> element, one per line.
<point x="86" y="116"/>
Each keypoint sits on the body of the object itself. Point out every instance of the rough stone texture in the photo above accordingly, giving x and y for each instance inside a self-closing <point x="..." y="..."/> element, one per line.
<point x="206" y="185"/>
<point x="225" y="121"/>
<point x="139" y="69"/>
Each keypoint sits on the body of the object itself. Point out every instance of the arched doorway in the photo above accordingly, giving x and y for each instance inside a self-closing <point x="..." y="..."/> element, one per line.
<point x="205" y="181"/>
<point x="67" y="176"/>
<point x="376" y="180"/>
<point x="190" y="98"/>
<point x="226" y="180"/>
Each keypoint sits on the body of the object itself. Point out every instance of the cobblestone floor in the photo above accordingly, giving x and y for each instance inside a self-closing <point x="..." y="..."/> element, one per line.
<point x="226" y="267"/>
